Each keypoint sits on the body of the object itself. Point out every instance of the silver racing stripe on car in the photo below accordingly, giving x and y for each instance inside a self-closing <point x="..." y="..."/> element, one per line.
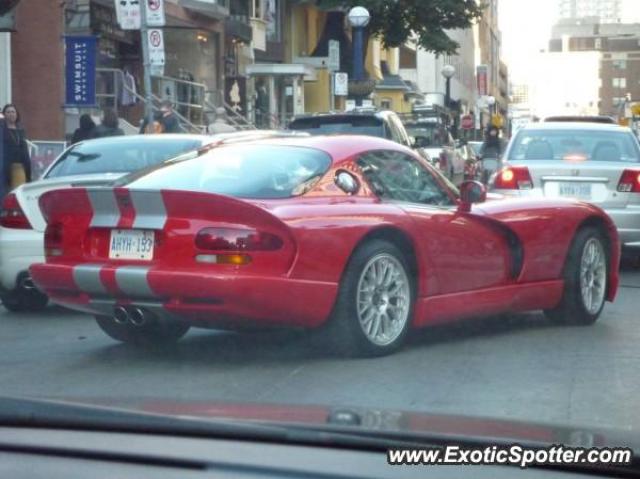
<point x="132" y="281"/>
<point x="87" y="278"/>
<point x="150" y="210"/>
<point x="106" y="212"/>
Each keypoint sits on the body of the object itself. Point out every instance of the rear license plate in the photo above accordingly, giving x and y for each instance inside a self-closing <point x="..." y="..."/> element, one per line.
<point x="576" y="190"/>
<point x="131" y="244"/>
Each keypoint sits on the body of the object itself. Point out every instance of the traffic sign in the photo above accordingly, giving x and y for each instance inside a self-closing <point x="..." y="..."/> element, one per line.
<point x="128" y="14"/>
<point x="156" y="47"/>
<point x="466" y="122"/>
<point x="341" y="84"/>
<point x="155" y="13"/>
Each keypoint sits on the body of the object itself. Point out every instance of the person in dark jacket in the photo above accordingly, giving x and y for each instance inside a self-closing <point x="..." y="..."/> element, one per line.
<point x="86" y="131"/>
<point x="169" y="120"/>
<point x="109" y="125"/>
<point x="16" y="161"/>
<point x="492" y="146"/>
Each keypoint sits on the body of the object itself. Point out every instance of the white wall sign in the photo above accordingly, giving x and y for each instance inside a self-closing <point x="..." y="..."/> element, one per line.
<point x="341" y="84"/>
<point x="156" y="47"/>
<point x="155" y="13"/>
<point x="128" y="14"/>
<point x="334" y="56"/>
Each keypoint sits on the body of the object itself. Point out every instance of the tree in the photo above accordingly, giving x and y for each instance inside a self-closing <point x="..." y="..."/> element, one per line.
<point x="396" y="21"/>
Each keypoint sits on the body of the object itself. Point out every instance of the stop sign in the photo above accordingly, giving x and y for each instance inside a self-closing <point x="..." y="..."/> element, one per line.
<point x="466" y="122"/>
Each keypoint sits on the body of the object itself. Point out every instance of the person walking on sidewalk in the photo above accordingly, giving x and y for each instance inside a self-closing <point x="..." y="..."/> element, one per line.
<point x="86" y="131"/>
<point x="109" y="125"/>
<point x="16" y="161"/>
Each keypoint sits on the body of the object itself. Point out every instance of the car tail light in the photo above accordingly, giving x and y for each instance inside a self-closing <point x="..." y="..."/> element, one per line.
<point x="237" y="239"/>
<point x="12" y="215"/>
<point x="53" y="240"/>
<point x="514" y="178"/>
<point x="629" y="181"/>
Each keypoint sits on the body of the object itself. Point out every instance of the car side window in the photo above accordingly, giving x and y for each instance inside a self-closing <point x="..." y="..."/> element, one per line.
<point x="397" y="176"/>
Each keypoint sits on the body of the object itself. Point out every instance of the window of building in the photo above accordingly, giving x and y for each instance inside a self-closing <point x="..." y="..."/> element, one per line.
<point x="619" y="83"/>
<point x="618" y="100"/>
<point x="620" y="64"/>
<point x="385" y="104"/>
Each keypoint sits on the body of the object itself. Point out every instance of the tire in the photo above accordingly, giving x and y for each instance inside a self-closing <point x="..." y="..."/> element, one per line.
<point x="150" y="335"/>
<point x="21" y="301"/>
<point x="576" y="307"/>
<point x="345" y="333"/>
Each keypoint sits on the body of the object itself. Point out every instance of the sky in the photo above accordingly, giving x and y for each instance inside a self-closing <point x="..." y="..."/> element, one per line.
<point x="526" y="29"/>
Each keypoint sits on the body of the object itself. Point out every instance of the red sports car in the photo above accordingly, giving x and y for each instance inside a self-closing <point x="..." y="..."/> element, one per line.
<point x="355" y="236"/>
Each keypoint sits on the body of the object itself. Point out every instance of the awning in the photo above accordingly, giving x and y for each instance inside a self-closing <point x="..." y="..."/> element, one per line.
<point x="281" y="69"/>
<point x="207" y="9"/>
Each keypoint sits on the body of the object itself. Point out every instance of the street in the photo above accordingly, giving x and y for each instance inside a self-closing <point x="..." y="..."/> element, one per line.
<point x="522" y="367"/>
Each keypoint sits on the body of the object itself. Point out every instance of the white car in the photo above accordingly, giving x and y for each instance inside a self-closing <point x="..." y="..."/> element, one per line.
<point x="93" y="162"/>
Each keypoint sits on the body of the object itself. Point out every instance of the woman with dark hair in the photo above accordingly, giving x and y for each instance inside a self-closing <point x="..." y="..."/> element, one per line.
<point x="16" y="162"/>
<point x="86" y="131"/>
<point x="109" y="124"/>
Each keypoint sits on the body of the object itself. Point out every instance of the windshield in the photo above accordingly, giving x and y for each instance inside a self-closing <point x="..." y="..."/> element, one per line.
<point x="242" y="171"/>
<point x="432" y="135"/>
<point x="369" y="126"/>
<point x="575" y="144"/>
<point x="121" y="156"/>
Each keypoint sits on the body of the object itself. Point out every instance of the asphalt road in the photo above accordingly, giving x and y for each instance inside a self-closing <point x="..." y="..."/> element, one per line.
<point x="522" y="367"/>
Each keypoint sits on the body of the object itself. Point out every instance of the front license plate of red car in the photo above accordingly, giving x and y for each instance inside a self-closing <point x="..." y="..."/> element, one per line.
<point x="131" y="244"/>
<point x="576" y="190"/>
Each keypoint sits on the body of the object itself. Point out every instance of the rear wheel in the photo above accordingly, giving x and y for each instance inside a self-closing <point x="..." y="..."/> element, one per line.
<point x="586" y="279"/>
<point x="20" y="301"/>
<point x="375" y="302"/>
<point x="148" y="335"/>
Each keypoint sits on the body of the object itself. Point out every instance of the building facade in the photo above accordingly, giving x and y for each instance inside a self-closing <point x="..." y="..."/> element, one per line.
<point x="608" y="11"/>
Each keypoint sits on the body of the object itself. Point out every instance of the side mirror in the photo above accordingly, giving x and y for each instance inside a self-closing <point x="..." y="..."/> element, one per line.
<point x="471" y="192"/>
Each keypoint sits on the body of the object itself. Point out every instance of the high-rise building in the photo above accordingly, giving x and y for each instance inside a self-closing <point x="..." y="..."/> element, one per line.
<point x="608" y="11"/>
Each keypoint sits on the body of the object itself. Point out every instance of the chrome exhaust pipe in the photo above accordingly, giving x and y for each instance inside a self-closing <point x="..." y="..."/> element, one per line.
<point x="121" y="315"/>
<point x="138" y="317"/>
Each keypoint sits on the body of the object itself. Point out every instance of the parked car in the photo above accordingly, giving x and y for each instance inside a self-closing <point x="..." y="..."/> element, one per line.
<point x="439" y="145"/>
<point x="94" y="162"/>
<point x="595" y="162"/>
<point x="364" y="121"/>
<point x="358" y="234"/>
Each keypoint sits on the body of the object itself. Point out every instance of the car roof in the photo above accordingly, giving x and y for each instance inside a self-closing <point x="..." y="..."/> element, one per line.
<point x="574" y="125"/>
<point x="347" y="114"/>
<point x="339" y="147"/>
<point x="151" y="137"/>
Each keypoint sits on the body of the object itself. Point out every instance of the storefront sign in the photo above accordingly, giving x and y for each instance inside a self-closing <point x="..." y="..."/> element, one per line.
<point x="155" y="13"/>
<point x="482" y="73"/>
<point x="128" y="13"/>
<point x="80" y="71"/>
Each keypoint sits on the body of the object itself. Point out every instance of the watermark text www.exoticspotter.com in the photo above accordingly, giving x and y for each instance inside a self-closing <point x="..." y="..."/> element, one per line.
<point x="515" y="454"/>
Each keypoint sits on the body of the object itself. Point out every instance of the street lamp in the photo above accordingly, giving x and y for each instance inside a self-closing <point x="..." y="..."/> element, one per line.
<point x="447" y="72"/>
<point x="358" y="19"/>
<point x="491" y="101"/>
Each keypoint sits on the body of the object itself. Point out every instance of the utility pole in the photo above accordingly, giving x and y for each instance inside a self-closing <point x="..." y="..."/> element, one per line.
<point x="146" y="62"/>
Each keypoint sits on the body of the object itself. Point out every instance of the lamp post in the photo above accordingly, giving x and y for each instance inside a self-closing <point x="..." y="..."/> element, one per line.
<point x="358" y="19"/>
<point x="491" y="101"/>
<point x="447" y="72"/>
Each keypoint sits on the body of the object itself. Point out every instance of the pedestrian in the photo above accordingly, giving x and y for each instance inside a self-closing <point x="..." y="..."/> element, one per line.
<point x="220" y="125"/>
<point x="169" y="119"/>
<point x="16" y="161"/>
<point x="492" y="146"/>
<point x="109" y="125"/>
<point x="86" y="131"/>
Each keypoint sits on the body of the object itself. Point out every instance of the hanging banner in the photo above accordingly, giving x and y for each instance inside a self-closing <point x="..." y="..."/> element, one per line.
<point x="80" y="71"/>
<point x="482" y="74"/>
<point x="128" y="14"/>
